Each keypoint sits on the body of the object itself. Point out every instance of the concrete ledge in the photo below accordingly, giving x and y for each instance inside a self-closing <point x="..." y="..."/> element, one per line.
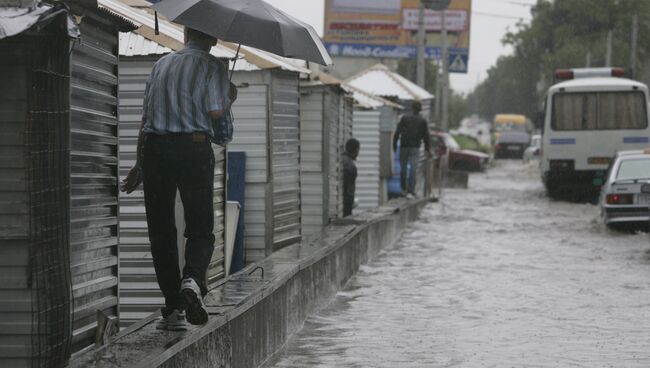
<point x="253" y="313"/>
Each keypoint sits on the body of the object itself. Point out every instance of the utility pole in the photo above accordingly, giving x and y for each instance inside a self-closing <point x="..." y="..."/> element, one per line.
<point x="438" y="95"/>
<point x="421" y="71"/>
<point x="634" y="44"/>
<point x="608" y="56"/>
<point x="444" y="119"/>
<point x="477" y="95"/>
<point x="442" y="77"/>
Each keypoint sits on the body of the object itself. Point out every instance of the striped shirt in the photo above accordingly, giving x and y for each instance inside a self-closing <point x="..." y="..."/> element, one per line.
<point x="182" y="88"/>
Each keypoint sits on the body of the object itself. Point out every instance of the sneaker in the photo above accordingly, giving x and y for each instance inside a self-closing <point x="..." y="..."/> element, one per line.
<point x="197" y="314"/>
<point x="410" y="196"/>
<point x="175" y="321"/>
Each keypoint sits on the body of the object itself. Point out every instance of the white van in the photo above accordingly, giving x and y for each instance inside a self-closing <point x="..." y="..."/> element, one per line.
<point x="587" y="118"/>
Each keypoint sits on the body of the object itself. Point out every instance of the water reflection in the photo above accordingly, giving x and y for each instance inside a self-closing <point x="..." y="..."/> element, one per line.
<point x="497" y="277"/>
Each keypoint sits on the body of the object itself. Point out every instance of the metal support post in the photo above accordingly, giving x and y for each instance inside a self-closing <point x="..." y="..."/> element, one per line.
<point x="444" y="119"/>
<point x="421" y="71"/>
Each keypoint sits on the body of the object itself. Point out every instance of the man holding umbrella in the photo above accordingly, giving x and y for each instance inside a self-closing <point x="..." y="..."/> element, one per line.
<point x="186" y="100"/>
<point x="188" y="93"/>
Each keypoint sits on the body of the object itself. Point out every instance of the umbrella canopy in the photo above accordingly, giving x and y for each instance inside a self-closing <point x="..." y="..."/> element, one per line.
<point x="252" y="23"/>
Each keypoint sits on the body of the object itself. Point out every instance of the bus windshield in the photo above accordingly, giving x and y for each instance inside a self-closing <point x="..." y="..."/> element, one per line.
<point x="599" y="111"/>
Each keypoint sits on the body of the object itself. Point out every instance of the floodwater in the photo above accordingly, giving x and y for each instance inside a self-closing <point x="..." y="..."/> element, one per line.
<point x="496" y="276"/>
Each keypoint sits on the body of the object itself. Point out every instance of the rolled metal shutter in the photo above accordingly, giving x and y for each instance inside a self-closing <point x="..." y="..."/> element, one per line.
<point x="285" y="122"/>
<point x="217" y="268"/>
<point x="94" y="177"/>
<point x="139" y="291"/>
<point x="368" y="186"/>
<point x="251" y="111"/>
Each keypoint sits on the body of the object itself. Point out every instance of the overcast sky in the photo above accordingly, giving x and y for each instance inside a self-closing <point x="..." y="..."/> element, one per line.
<point x="491" y="19"/>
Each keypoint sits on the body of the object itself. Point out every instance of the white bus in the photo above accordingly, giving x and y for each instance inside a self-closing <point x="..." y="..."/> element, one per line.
<point x="587" y="118"/>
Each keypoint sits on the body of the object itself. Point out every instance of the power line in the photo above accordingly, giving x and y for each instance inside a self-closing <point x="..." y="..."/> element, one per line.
<point x="493" y="15"/>
<point x="520" y="3"/>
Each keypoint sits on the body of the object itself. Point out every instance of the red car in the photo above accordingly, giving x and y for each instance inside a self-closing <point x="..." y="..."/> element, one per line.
<point x="458" y="158"/>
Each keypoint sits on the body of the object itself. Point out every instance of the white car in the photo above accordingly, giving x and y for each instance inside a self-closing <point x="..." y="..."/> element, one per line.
<point x="532" y="152"/>
<point x="621" y="199"/>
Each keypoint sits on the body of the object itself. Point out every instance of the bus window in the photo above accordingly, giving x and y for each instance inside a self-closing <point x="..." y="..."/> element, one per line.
<point x="599" y="111"/>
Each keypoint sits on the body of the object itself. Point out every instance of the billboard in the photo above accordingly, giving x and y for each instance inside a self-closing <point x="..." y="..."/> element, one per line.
<point x="388" y="29"/>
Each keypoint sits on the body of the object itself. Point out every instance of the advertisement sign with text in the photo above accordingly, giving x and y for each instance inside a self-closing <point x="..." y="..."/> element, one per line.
<point x="388" y="29"/>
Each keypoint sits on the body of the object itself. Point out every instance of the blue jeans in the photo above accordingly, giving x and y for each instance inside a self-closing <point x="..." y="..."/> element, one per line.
<point x="408" y="160"/>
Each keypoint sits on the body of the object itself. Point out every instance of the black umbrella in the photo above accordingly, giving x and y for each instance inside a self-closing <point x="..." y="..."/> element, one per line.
<point x="252" y="23"/>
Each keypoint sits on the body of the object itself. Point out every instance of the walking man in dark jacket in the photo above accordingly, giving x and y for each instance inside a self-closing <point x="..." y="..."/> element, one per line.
<point x="186" y="93"/>
<point x="352" y="147"/>
<point x="411" y="131"/>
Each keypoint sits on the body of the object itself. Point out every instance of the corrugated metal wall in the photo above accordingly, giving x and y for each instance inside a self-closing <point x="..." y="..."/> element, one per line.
<point x="94" y="177"/>
<point x="267" y="116"/>
<point x="366" y="128"/>
<point x="321" y="111"/>
<point x="333" y="118"/>
<point x="35" y="290"/>
<point x="251" y="111"/>
<point x="313" y="189"/>
<point x="345" y="133"/>
<point x="285" y="122"/>
<point x="139" y="291"/>
<point x="217" y="268"/>
<point x="427" y="110"/>
<point x="388" y="123"/>
<point x="15" y="295"/>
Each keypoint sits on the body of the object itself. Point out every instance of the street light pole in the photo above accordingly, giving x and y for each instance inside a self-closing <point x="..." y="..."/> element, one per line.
<point x="608" y="54"/>
<point x="444" y="119"/>
<point x="421" y="72"/>
<point x="635" y="41"/>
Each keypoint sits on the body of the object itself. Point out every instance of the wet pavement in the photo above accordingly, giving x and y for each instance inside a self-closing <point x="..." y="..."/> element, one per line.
<point x="496" y="276"/>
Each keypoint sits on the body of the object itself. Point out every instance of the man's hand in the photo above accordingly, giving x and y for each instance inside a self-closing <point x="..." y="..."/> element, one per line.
<point x="232" y="94"/>
<point x="132" y="181"/>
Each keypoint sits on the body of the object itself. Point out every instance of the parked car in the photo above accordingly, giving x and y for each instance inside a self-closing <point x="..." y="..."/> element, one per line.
<point x="459" y="159"/>
<point x="621" y="199"/>
<point x="511" y="144"/>
<point x="532" y="152"/>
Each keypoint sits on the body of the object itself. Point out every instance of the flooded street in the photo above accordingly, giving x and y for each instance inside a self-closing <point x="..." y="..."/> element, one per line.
<point x="496" y="276"/>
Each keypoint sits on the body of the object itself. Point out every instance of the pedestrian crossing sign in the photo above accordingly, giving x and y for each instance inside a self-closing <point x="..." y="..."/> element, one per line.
<point x="458" y="63"/>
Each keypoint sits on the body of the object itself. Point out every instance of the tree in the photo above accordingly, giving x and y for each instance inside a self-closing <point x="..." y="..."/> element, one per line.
<point x="561" y="35"/>
<point x="407" y="68"/>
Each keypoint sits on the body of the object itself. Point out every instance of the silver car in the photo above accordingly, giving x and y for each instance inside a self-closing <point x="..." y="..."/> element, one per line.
<point x="532" y="152"/>
<point x="621" y="200"/>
